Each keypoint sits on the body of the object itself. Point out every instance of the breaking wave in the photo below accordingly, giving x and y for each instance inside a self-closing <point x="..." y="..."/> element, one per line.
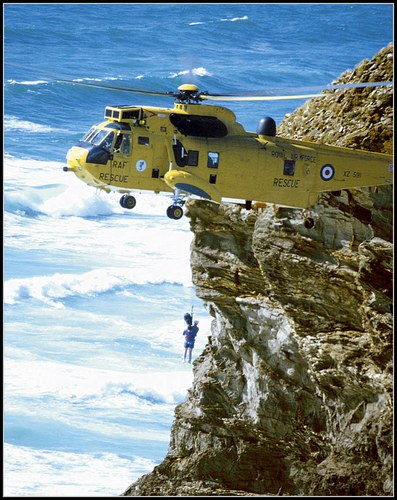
<point x="53" y="290"/>
<point x="27" y="471"/>
<point x="12" y="123"/>
<point x="222" y="20"/>
<point x="195" y="72"/>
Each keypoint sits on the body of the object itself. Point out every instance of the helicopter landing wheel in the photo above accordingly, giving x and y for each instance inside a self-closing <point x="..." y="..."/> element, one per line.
<point x="127" y="201"/>
<point x="174" y="212"/>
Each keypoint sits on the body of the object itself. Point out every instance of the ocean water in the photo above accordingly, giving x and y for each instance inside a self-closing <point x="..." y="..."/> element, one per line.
<point x="94" y="295"/>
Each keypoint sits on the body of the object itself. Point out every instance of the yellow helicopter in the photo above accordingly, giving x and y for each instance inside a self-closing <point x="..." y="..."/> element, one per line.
<point x="201" y="150"/>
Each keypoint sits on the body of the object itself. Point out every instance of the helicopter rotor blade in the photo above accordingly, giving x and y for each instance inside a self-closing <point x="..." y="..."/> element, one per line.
<point x="258" y="98"/>
<point x="255" y="95"/>
<point x="240" y="96"/>
<point x="61" y="79"/>
<point x="268" y="95"/>
<point x="110" y="87"/>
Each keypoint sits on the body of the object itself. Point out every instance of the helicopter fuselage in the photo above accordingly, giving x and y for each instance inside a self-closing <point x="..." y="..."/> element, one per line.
<point x="202" y="150"/>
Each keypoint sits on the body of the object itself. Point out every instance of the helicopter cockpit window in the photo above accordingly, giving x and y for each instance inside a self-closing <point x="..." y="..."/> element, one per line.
<point x="95" y="136"/>
<point x="104" y="139"/>
<point x="213" y="160"/>
<point x="85" y="138"/>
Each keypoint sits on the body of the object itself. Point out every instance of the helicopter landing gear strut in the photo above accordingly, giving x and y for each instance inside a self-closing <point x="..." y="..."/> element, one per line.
<point x="175" y="211"/>
<point x="127" y="201"/>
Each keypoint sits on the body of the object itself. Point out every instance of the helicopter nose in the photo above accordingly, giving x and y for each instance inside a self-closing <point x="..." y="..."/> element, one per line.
<point x="75" y="157"/>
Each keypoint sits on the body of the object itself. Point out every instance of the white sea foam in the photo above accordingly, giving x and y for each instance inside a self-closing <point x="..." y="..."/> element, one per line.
<point x="26" y="82"/>
<point x="104" y="79"/>
<point x="71" y="197"/>
<point x="51" y="290"/>
<point x="70" y="381"/>
<point x="233" y="19"/>
<point x="40" y="472"/>
<point x="195" y="72"/>
<point x="19" y="172"/>
<point x="145" y="246"/>
<point x="11" y="123"/>
<point x="87" y="79"/>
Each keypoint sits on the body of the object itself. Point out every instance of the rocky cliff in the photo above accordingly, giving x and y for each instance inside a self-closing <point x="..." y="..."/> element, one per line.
<point x="293" y="392"/>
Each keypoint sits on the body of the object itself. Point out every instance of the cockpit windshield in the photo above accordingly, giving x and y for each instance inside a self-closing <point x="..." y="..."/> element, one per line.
<point x="112" y="138"/>
<point x="99" y="137"/>
<point x="86" y="137"/>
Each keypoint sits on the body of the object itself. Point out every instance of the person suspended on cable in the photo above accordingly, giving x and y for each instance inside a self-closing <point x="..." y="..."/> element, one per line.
<point x="190" y="337"/>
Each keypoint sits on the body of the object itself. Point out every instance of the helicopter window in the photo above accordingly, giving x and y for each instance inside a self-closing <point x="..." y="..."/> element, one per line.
<point x="134" y="114"/>
<point x="92" y="137"/>
<point x="289" y="167"/>
<point x="87" y="135"/>
<point x="179" y="152"/>
<point x="213" y="160"/>
<point x="122" y="144"/>
<point x="125" y="144"/>
<point x="117" y="144"/>
<point x="104" y="139"/>
<point x="97" y="136"/>
<point x="192" y="158"/>
<point x="143" y="140"/>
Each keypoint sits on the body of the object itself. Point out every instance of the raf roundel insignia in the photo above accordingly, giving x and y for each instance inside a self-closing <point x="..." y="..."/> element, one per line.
<point x="327" y="172"/>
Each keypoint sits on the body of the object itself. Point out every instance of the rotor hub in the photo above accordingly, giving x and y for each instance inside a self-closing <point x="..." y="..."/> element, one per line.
<point x="188" y="93"/>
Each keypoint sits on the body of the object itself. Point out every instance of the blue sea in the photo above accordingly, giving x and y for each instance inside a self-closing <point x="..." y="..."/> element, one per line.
<point x="94" y="295"/>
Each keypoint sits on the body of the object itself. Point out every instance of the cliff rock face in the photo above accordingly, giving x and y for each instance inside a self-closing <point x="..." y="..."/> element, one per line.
<point x="293" y="392"/>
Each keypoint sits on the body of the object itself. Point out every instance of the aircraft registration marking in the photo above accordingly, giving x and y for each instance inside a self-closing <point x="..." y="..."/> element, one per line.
<point x="349" y="173"/>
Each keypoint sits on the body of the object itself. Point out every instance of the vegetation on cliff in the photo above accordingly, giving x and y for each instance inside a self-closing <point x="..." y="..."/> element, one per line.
<point x="356" y="118"/>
